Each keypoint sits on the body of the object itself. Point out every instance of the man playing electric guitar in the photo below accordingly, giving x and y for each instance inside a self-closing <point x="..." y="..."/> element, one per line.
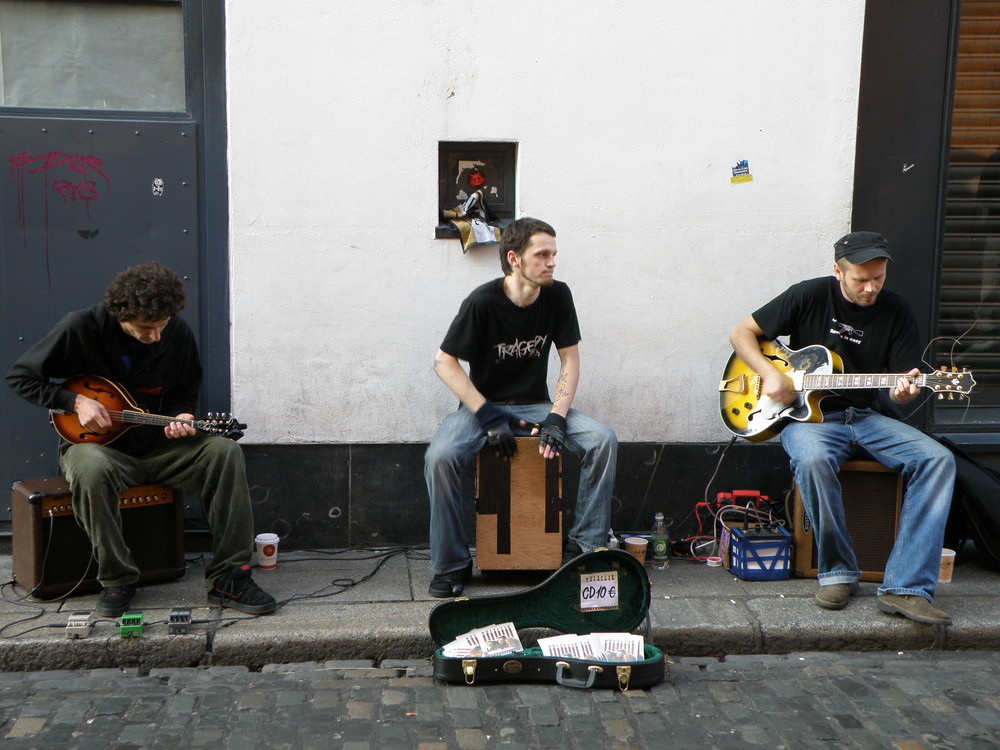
<point x="134" y="338"/>
<point x="873" y="330"/>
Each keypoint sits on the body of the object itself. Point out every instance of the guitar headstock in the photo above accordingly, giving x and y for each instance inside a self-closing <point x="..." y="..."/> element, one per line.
<point x="223" y="425"/>
<point x="946" y="383"/>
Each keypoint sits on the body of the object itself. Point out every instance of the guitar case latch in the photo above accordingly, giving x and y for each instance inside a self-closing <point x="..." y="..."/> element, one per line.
<point x="469" y="670"/>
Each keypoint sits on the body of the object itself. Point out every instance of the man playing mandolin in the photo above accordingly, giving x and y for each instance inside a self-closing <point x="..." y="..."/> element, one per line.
<point x="873" y="330"/>
<point x="135" y="339"/>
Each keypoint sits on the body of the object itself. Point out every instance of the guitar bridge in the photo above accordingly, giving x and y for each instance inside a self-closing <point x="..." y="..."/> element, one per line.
<point x="726" y="386"/>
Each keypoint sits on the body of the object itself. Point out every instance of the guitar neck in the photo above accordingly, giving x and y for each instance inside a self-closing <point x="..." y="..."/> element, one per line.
<point x="839" y="381"/>
<point x="141" y="417"/>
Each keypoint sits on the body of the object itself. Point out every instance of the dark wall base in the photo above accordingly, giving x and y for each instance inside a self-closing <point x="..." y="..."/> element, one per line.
<point x="335" y="496"/>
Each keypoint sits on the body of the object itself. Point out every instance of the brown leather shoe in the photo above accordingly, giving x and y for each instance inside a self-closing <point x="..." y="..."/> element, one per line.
<point x="836" y="595"/>
<point x="914" y="607"/>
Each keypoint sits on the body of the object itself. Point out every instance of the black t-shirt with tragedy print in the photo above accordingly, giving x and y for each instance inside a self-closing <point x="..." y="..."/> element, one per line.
<point x="507" y="347"/>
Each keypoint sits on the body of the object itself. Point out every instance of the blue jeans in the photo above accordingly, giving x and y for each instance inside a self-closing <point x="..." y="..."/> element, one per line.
<point x="461" y="437"/>
<point x="818" y="450"/>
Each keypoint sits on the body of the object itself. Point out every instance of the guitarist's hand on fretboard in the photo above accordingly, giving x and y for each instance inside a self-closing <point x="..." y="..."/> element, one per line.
<point x="906" y="388"/>
<point x="180" y="429"/>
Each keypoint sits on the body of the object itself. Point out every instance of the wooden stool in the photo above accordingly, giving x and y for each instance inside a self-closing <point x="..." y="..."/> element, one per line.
<point x="872" y="496"/>
<point x="518" y="510"/>
<point x="53" y="556"/>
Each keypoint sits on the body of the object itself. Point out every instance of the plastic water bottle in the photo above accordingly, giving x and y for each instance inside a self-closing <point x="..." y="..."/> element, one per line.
<point x="660" y="543"/>
<point x="612" y="540"/>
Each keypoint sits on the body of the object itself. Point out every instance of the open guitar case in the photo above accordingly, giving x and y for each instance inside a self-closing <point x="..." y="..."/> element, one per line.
<point x="559" y="603"/>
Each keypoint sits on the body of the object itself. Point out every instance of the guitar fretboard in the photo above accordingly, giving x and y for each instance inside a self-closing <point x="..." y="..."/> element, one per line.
<point x="843" y="381"/>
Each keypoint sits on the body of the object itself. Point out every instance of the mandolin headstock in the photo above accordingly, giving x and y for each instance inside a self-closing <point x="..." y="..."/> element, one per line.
<point x="223" y="425"/>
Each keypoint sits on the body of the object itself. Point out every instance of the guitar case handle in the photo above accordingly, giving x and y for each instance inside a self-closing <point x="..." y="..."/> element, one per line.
<point x="593" y="669"/>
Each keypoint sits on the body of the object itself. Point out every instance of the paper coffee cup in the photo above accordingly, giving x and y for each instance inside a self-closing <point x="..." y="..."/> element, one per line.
<point x="267" y="551"/>
<point x="636" y="546"/>
<point x="947" y="565"/>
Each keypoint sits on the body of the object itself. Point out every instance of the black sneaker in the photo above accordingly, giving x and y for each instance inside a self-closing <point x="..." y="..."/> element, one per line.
<point x="115" y="600"/>
<point x="570" y="550"/>
<point x="237" y="590"/>
<point x="444" y="585"/>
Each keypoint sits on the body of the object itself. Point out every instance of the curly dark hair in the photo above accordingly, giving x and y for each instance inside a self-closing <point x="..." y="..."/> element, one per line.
<point x="148" y="291"/>
<point x="517" y="235"/>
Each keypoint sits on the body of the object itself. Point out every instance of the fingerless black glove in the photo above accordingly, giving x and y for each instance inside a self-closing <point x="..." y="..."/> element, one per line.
<point x="496" y="423"/>
<point x="552" y="431"/>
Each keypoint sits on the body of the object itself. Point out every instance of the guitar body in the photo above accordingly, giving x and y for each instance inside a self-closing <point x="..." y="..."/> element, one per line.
<point x="126" y="414"/>
<point x="814" y="372"/>
<point x="752" y="415"/>
<point x="112" y="397"/>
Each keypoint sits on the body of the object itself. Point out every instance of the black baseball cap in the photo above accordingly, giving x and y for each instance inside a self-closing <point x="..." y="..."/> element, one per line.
<point x="861" y="247"/>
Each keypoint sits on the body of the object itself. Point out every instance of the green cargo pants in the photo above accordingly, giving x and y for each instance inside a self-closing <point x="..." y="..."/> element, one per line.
<point x="207" y="467"/>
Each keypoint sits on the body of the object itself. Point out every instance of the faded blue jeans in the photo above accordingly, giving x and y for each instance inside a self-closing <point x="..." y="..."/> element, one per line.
<point x="460" y="437"/>
<point x="818" y="450"/>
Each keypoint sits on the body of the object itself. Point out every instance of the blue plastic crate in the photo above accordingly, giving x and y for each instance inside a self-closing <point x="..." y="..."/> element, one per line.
<point x="760" y="556"/>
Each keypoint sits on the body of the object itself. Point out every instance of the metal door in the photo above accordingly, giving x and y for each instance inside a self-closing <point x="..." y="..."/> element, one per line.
<point x="79" y="201"/>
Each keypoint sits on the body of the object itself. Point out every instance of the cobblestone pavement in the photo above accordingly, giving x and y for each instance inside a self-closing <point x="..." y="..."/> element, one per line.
<point x="902" y="701"/>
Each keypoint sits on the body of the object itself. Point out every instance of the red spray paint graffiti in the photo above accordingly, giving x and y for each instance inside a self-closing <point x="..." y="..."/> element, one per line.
<point x="85" y="190"/>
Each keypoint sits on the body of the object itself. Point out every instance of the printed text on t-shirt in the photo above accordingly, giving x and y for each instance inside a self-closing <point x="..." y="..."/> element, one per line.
<point x="519" y="349"/>
<point x="847" y="332"/>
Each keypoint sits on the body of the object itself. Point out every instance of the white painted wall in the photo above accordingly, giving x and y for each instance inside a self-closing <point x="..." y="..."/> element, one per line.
<point x="629" y="117"/>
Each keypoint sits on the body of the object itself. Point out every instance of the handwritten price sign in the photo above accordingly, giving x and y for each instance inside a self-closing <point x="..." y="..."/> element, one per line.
<point x="599" y="590"/>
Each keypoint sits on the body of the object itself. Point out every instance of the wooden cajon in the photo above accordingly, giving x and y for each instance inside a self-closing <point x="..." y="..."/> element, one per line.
<point x="872" y="496"/>
<point x="518" y="510"/>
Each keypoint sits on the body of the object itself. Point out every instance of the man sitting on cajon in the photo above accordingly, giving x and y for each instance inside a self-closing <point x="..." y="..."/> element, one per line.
<point x="504" y="330"/>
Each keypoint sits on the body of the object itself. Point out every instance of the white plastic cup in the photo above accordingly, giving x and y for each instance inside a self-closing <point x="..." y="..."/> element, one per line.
<point x="947" y="565"/>
<point x="636" y="546"/>
<point x="267" y="551"/>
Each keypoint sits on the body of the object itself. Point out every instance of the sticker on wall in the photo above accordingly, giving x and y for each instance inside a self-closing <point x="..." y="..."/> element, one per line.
<point x="741" y="173"/>
<point x="157" y="187"/>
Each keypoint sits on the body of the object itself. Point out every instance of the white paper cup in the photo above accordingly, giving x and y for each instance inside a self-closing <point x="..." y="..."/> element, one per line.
<point x="636" y="546"/>
<point x="947" y="565"/>
<point x="267" y="551"/>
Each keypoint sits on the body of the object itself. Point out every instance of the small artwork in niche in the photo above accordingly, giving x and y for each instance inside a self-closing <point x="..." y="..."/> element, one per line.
<point x="467" y="167"/>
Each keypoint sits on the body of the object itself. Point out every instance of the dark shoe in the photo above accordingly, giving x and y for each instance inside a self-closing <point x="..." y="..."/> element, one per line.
<point x="570" y="550"/>
<point x="914" y="607"/>
<point x="237" y="590"/>
<point x="836" y="595"/>
<point x="115" y="600"/>
<point x="444" y="585"/>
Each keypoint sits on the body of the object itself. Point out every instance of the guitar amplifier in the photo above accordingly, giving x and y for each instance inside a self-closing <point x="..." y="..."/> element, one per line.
<point x="52" y="555"/>
<point x="519" y="510"/>
<point x="872" y="497"/>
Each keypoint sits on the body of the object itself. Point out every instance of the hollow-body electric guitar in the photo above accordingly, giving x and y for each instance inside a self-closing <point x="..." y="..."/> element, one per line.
<point x="814" y="372"/>
<point x="126" y="413"/>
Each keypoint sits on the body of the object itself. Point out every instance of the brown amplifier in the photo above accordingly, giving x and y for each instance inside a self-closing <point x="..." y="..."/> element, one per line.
<point x="519" y="510"/>
<point x="872" y="497"/>
<point x="52" y="555"/>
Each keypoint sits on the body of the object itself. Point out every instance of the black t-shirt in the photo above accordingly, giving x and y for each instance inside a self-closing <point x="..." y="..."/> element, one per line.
<point x="507" y="347"/>
<point x="880" y="338"/>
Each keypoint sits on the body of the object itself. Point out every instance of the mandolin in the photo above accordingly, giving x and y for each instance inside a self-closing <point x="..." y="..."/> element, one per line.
<point x="126" y="413"/>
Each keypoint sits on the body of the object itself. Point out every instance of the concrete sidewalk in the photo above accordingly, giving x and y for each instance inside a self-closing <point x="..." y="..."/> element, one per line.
<point x="372" y="605"/>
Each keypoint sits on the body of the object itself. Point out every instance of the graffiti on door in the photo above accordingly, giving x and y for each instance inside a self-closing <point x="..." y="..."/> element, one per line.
<point x="86" y="178"/>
